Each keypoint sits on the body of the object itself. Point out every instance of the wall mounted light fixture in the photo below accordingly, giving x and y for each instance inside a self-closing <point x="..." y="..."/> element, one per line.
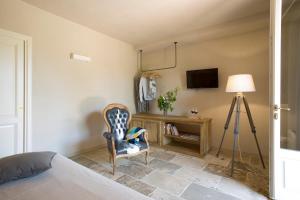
<point x="74" y="56"/>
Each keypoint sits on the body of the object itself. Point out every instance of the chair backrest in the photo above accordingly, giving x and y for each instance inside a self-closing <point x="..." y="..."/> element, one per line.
<point x="117" y="118"/>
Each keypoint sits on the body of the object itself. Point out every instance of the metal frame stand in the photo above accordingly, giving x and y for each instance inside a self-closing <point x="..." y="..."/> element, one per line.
<point x="237" y="102"/>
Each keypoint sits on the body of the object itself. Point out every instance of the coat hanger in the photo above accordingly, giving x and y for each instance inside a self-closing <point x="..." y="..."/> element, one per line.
<point x="151" y="74"/>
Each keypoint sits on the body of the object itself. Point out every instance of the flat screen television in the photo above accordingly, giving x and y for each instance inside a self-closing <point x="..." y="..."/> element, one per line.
<point x="203" y="78"/>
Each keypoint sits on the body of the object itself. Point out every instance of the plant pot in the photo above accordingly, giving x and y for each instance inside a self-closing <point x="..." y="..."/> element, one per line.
<point x="165" y="113"/>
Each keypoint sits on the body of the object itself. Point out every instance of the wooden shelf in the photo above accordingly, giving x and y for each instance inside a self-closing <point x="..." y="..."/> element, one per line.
<point x="172" y="118"/>
<point x="185" y="148"/>
<point x="185" y="137"/>
<point x="194" y="133"/>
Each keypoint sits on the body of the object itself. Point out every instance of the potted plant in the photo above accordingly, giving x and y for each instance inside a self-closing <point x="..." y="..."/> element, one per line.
<point x="166" y="101"/>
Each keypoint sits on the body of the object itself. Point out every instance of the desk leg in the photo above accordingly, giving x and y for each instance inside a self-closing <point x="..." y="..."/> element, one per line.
<point x="204" y="140"/>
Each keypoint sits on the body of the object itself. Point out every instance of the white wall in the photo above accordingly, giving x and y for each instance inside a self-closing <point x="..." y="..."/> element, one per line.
<point x="246" y="53"/>
<point x="68" y="95"/>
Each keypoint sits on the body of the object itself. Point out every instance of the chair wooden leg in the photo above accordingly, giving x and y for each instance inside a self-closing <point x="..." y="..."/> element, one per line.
<point x="147" y="157"/>
<point x="114" y="164"/>
<point x="109" y="158"/>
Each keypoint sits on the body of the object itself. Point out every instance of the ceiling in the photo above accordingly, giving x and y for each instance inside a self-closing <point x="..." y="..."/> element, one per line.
<point x="145" y="22"/>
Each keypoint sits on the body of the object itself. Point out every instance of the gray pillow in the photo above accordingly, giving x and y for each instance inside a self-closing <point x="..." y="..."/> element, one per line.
<point x="24" y="165"/>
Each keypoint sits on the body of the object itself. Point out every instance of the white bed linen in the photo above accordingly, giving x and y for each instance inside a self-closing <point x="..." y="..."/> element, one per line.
<point x="67" y="180"/>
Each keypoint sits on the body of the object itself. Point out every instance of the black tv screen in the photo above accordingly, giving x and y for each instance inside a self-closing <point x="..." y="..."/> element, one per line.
<point x="203" y="78"/>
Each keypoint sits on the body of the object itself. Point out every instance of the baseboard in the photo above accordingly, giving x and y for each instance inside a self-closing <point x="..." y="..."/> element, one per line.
<point x="87" y="150"/>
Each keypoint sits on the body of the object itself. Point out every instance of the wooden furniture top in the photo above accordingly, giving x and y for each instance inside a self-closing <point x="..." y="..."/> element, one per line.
<point x="171" y="118"/>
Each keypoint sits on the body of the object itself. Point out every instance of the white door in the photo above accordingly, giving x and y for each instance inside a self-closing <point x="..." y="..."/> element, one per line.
<point x="285" y="129"/>
<point x="11" y="95"/>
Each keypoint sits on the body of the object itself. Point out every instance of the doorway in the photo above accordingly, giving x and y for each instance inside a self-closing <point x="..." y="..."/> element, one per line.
<point x="15" y="93"/>
<point x="285" y="100"/>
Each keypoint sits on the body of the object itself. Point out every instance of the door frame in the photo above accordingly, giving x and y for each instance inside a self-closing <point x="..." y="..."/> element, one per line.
<point x="27" y="141"/>
<point x="275" y="63"/>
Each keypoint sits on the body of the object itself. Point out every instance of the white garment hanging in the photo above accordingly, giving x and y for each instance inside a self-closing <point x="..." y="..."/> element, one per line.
<point x="147" y="89"/>
<point x="152" y="88"/>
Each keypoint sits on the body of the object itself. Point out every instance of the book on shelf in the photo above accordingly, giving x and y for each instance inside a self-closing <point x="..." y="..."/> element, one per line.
<point x="171" y="130"/>
<point x="168" y="129"/>
<point x="174" y="130"/>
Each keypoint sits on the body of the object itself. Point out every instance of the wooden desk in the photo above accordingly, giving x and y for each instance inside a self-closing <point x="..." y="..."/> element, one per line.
<point x="199" y="130"/>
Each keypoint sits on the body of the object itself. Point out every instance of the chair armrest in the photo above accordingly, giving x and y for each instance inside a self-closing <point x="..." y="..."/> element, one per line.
<point x="144" y="136"/>
<point x="110" y="142"/>
<point x="108" y="135"/>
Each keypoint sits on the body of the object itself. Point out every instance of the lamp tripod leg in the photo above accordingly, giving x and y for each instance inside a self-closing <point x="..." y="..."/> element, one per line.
<point x="233" y="153"/>
<point x="227" y="123"/>
<point x="219" y="150"/>
<point x="260" y="155"/>
<point x="236" y="131"/>
<point x="253" y="130"/>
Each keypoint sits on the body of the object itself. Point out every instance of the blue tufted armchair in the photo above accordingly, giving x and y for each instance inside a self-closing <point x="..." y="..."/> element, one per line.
<point x="117" y="118"/>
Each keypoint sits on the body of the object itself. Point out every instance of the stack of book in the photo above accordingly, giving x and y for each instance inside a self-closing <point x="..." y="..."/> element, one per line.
<point x="171" y="129"/>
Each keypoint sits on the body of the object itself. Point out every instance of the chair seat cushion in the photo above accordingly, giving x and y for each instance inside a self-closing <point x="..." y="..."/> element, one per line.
<point x="127" y="148"/>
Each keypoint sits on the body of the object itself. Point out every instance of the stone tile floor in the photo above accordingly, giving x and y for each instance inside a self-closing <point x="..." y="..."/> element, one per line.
<point x="175" y="176"/>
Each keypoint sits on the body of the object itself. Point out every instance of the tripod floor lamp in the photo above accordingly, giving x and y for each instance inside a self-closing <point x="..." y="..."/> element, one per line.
<point x="238" y="84"/>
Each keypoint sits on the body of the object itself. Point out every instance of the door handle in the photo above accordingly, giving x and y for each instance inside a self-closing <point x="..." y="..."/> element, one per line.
<point x="276" y="108"/>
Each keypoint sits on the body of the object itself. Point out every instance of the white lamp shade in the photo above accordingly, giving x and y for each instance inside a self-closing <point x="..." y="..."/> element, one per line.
<point x="240" y="83"/>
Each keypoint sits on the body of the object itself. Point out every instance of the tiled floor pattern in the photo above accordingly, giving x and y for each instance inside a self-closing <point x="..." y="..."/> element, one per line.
<point x="174" y="176"/>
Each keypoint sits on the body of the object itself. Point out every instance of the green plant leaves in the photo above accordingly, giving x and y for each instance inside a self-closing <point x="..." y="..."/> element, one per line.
<point x="165" y="102"/>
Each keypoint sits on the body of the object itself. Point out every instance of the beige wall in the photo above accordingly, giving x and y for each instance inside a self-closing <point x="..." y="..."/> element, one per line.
<point x="67" y="94"/>
<point x="247" y="53"/>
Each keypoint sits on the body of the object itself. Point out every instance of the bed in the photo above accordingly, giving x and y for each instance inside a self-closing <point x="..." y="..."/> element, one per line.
<point x="67" y="180"/>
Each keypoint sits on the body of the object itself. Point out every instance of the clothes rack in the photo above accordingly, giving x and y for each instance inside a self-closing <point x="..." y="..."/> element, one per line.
<point x="151" y="74"/>
<point x="148" y="70"/>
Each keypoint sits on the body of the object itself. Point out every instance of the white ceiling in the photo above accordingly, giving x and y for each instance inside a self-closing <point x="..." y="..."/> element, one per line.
<point x="145" y="22"/>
